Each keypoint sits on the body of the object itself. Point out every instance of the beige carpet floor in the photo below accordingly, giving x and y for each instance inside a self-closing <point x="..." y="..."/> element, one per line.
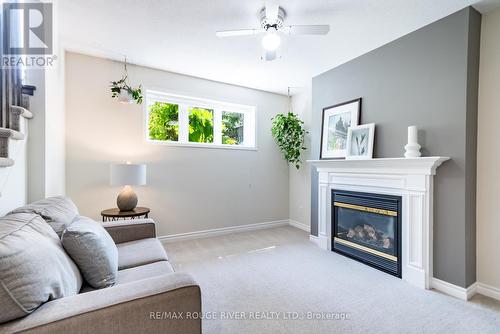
<point x="278" y="281"/>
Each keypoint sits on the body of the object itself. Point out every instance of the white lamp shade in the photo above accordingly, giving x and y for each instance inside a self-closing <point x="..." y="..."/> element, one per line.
<point x="128" y="174"/>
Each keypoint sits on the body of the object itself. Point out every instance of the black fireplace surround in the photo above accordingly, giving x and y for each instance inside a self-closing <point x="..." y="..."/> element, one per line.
<point x="367" y="228"/>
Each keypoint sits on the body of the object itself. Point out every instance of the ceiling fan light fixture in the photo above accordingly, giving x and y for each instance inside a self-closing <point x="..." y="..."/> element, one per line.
<point x="272" y="18"/>
<point x="271" y="40"/>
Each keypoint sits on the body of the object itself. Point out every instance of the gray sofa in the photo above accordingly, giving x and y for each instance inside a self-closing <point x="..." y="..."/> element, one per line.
<point x="146" y="292"/>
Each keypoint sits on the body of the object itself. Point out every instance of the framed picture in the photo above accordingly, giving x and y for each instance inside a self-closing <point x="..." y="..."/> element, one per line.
<point x="336" y="121"/>
<point x="360" y="141"/>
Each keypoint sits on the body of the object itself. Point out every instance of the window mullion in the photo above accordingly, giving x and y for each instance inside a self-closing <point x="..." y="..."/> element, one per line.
<point x="247" y="128"/>
<point x="183" y="123"/>
<point x="217" y="126"/>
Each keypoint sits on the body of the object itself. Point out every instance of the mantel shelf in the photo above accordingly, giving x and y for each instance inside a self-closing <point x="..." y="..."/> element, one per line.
<point x="422" y="165"/>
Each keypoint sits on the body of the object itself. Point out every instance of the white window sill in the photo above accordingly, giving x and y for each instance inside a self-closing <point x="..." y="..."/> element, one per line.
<point x="201" y="145"/>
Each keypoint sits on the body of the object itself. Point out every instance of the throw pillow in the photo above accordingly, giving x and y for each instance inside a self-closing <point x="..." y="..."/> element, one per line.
<point x="93" y="250"/>
<point x="57" y="211"/>
<point x="34" y="268"/>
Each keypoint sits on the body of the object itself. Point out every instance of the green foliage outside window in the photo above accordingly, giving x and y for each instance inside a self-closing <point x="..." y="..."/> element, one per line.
<point x="164" y="121"/>
<point x="201" y="125"/>
<point x="163" y="124"/>
<point x="232" y="128"/>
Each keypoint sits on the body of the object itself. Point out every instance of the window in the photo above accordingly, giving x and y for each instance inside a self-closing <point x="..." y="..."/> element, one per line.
<point x="201" y="125"/>
<point x="164" y="121"/>
<point x="232" y="128"/>
<point x="187" y="121"/>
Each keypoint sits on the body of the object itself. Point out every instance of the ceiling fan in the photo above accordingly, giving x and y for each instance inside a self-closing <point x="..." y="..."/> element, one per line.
<point x="272" y="19"/>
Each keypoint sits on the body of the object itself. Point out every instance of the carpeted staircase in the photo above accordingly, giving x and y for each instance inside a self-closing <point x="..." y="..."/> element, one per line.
<point x="15" y="107"/>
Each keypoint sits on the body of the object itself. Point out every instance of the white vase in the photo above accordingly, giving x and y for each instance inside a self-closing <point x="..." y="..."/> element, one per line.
<point x="412" y="148"/>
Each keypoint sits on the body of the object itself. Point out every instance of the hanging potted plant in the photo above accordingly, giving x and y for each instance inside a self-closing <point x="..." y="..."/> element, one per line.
<point x="123" y="91"/>
<point x="288" y="132"/>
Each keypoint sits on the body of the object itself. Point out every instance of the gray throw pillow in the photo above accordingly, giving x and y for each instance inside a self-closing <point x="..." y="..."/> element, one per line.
<point x="93" y="250"/>
<point x="57" y="211"/>
<point x="34" y="268"/>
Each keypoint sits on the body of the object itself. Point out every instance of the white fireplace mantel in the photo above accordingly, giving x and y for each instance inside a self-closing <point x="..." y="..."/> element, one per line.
<point x="410" y="178"/>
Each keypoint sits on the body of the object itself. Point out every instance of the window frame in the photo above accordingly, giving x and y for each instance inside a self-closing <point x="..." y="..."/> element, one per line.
<point x="185" y="102"/>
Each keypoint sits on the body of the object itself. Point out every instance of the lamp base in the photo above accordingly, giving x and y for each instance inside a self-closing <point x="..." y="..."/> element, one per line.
<point x="127" y="199"/>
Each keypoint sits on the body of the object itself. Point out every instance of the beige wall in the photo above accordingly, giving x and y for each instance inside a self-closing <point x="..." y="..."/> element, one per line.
<point x="488" y="163"/>
<point x="189" y="189"/>
<point x="300" y="180"/>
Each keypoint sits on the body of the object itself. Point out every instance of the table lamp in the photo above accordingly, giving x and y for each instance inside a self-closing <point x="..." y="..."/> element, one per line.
<point x="127" y="175"/>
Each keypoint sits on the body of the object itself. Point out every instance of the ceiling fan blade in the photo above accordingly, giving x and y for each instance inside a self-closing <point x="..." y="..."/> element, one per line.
<point x="272" y="10"/>
<point x="322" y="29"/>
<point x="240" y="32"/>
<point x="269" y="55"/>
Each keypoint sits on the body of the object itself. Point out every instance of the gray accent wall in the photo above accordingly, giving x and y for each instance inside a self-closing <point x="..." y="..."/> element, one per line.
<point x="427" y="78"/>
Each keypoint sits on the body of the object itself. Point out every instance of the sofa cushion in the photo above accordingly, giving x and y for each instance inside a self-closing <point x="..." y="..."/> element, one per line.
<point x="34" y="268"/>
<point x="139" y="252"/>
<point x="137" y="273"/>
<point x="143" y="272"/>
<point x="93" y="250"/>
<point x="57" y="211"/>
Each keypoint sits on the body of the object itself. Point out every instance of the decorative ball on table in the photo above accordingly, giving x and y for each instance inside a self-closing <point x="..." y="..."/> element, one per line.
<point x="127" y="175"/>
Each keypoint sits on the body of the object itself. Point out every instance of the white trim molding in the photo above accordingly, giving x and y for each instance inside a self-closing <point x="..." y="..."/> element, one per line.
<point x="454" y="290"/>
<point x="419" y="166"/>
<point x="221" y="231"/>
<point x="466" y="293"/>
<point x="409" y="178"/>
<point x="299" y="225"/>
<point x="487" y="290"/>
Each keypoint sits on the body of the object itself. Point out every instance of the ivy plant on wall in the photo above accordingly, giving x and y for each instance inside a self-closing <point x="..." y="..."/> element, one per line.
<point x="288" y="132"/>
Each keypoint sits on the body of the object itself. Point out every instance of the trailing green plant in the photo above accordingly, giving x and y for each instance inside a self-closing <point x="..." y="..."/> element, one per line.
<point x="121" y="85"/>
<point x="288" y="132"/>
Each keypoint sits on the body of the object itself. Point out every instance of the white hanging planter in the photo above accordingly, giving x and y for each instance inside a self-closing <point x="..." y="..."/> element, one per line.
<point x="125" y="97"/>
<point x="123" y="91"/>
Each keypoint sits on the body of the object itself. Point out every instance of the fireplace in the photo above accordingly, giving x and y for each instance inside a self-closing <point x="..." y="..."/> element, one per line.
<point x="367" y="228"/>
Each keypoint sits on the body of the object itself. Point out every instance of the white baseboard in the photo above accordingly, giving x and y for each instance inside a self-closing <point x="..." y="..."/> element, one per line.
<point x="221" y="231"/>
<point x="453" y="290"/>
<point x="301" y="226"/>
<point x="466" y="294"/>
<point x="472" y="290"/>
<point x="314" y="239"/>
<point x="321" y="242"/>
<point x="488" y="290"/>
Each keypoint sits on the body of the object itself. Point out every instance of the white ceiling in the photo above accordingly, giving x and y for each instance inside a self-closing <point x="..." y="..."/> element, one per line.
<point x="179" y="35"/>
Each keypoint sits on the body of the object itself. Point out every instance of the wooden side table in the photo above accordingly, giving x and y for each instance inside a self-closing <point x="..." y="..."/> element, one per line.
<point x="115" y="214"/>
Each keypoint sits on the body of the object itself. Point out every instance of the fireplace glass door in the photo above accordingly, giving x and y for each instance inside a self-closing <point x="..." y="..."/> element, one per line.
<point x="366" y="227"/>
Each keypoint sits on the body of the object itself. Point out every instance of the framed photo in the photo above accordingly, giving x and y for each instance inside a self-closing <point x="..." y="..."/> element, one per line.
<point x="360" y="141"/>
<point x="336" y="121"/>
